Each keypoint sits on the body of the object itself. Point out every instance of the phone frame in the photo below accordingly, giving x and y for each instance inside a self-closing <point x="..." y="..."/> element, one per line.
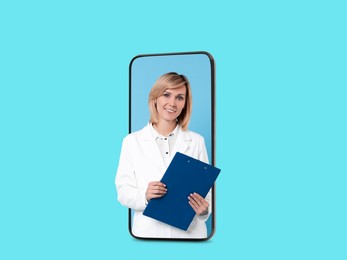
<point x="213" y="141"/>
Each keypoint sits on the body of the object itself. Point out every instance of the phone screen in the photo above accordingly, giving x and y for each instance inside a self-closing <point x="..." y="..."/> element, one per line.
<point x="198" y="68"/>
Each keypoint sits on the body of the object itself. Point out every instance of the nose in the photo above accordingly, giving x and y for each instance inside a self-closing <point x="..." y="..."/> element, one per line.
<point x="172" y="101"/>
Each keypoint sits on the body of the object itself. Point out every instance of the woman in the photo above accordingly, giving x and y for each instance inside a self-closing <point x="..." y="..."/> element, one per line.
<point x="147" y="153"/>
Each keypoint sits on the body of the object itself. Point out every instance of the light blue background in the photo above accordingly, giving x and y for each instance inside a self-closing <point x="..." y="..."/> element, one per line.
<point x="281" y="125"/>
<point x="197" y="68"/>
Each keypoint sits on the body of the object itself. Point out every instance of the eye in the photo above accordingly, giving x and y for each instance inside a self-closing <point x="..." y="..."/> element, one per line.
<point x="166" y="94"/>
<point x="180" y="98"/>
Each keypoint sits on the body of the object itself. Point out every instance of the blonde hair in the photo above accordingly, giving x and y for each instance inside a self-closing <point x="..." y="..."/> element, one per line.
<point x="170" y="80"/>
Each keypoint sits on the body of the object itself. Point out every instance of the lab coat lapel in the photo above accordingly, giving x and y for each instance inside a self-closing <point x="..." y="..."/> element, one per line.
<point x="182" y="142"/>
<point x="153" y="149"/>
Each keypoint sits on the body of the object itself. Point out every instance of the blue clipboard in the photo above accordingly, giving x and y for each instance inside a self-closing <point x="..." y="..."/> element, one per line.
<point x="185" y="175"/>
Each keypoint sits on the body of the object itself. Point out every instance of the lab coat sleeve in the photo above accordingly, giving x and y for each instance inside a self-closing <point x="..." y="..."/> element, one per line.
<point x="204" y="158"/>
<point x="129" y="192"/>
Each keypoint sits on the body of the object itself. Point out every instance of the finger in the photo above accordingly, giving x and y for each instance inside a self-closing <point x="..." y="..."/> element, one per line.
<point x="159" y="192"/>
<point x="197" y="210"/>
<point x="156" y="195"/>
<point x="156" y="192"/>
<point x="198" y="196"/>
<point x="195" y="198"/>
<point x="199" y="206"/>
<point x="160" y="188"/>
<point x="193" y="202"/>
<point x="156" y="184"/>
<point x="161" y="185"/>
<point x="200" y="200"/>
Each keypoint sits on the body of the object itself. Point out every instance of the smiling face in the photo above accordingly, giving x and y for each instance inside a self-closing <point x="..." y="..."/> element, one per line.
<point x="170" y="99"/>
<point x="171" y="103"/>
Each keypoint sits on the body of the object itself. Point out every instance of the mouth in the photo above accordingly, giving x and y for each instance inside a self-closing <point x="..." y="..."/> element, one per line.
<point x="170" y="110"/>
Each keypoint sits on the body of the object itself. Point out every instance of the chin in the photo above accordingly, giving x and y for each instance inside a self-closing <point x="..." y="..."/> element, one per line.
<point x="170" y="119"/>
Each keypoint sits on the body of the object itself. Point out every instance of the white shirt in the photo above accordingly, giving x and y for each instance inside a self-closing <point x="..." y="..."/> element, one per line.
<point x="165" y="143"/>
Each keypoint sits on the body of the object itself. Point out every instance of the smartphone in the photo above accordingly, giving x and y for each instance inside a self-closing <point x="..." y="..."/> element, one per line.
<point x="199" y="69"/>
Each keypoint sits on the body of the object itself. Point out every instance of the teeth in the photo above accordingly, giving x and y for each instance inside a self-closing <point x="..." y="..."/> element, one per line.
<point x="169" y="110"/>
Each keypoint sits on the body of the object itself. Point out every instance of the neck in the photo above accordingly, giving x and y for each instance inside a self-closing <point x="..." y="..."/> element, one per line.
<point x="165" y="127"/>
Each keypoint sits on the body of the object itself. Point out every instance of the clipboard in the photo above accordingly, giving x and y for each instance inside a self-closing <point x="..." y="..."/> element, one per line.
<point x="185" y="175"/>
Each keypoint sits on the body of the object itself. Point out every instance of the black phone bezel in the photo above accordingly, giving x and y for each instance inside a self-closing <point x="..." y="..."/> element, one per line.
<point x="213" y="140"/>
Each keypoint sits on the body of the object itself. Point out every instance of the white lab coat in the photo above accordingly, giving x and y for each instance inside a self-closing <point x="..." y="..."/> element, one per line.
<point x="140" y="163"/>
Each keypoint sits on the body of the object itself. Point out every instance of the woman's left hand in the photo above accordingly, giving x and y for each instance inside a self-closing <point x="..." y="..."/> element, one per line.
<point x="198" y="203"/>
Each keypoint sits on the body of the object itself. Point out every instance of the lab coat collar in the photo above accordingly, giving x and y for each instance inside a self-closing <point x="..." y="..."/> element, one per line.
<point x="181" y="144"/>
<point x="156" y="135"/>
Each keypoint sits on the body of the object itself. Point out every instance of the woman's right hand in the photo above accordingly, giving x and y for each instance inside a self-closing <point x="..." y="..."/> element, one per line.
<point x="155" y="189"/>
